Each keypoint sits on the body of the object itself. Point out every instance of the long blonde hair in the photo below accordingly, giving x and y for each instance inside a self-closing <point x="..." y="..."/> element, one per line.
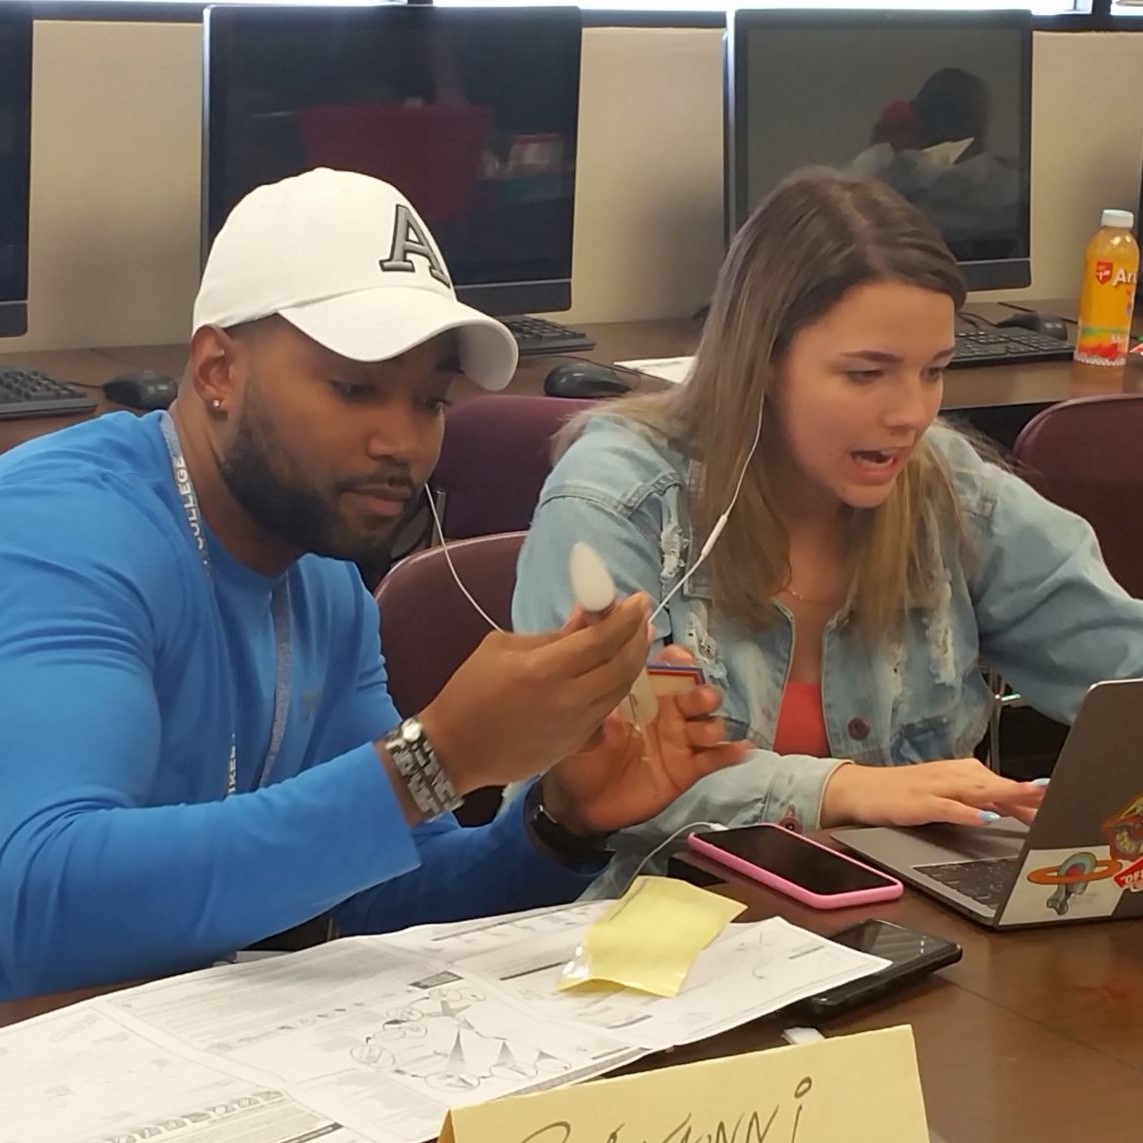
<point x="817" y="236"/>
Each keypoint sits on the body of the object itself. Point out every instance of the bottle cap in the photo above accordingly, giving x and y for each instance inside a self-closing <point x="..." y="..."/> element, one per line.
<point x="1121" y="219"/>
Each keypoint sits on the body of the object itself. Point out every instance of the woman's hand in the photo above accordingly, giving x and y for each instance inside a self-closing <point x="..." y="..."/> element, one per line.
<point x="625" y="776"/>
<point x="961" y="791"/>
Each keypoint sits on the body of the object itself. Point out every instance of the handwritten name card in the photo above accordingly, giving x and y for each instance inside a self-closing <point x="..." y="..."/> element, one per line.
<point x="851" y="1089"/>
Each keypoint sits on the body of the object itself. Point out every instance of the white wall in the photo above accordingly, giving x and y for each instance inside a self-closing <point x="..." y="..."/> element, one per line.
<point x="115" y="172"/>
<point x="115" y="184"/>
<point x="1087" y="147"/>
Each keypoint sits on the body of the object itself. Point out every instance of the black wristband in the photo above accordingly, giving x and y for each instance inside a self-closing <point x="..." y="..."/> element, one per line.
<point x="568" y="848"/>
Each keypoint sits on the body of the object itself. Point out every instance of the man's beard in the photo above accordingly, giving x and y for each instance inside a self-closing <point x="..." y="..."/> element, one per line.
<point x="264" y="480"/>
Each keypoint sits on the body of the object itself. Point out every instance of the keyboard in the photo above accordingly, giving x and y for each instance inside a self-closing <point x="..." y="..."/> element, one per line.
<point x="986" y="881"/>
<point x="538" y="336"/>
<point x="1009" y="346"/>
<point x="27" y="393"/>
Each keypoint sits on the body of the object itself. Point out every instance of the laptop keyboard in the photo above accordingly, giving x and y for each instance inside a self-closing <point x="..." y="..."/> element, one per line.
<point x="986" y="881"/>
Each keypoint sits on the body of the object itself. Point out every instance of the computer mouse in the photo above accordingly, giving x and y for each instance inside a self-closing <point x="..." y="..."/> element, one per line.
<point x="145" y="390"/>
<point x="1048" y="324"/>
<point x="584" y="379"/>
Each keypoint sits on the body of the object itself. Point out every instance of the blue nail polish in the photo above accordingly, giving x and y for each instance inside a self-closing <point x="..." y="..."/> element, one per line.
<point x="1040" y="781"/>
<point x="987" y="817"/>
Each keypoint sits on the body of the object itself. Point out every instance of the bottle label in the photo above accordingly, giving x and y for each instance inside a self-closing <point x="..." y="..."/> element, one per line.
<point x="1107" y="273"/>
<point x="1104" y="328"/>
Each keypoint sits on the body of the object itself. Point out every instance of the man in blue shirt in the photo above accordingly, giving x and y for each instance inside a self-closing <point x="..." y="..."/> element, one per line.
<point x="197" y="749"/>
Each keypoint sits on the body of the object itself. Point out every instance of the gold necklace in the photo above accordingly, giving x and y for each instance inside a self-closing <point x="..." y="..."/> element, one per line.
<point x="788" y="590"/>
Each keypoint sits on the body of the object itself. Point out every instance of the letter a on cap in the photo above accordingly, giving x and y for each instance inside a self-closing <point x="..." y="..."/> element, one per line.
<point x="409" y="238"/>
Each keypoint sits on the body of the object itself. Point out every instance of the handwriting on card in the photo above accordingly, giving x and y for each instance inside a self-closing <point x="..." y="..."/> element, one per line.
<point x="756" y="1126"/>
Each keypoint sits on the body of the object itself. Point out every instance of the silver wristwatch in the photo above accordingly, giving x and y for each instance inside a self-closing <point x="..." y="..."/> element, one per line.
<point x="429" y="786"/>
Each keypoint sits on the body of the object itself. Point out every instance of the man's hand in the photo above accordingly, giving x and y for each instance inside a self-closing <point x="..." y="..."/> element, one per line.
<point x="962" y="791"/>
<point x="627" y="777"/>
<point x="520" y="703"/>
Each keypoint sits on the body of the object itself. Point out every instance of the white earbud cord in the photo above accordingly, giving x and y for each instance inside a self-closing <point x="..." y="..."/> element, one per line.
<point x="720" y="523"/>
<point x="464" y="590"/>
<point x="705" y="551"/>
<point x="717" y="826"/>
<point x="452" y="567"/>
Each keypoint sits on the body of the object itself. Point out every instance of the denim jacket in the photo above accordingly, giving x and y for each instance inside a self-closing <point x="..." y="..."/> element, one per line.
<point x="1031" y="595"/>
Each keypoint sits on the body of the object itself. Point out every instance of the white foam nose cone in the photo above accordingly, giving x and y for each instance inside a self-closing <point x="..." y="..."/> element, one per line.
<point x="591" y="581"/>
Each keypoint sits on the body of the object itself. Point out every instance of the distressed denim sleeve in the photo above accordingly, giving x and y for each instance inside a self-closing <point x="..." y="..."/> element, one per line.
<point x="1051" y="618"/>
<point x="766" y="786"/>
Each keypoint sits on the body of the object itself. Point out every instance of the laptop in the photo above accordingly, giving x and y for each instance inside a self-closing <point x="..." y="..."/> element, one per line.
<point x="1080" y="860"/>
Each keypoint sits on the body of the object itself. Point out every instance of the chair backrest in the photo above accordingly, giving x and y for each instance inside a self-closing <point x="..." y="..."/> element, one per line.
<point x="428" y="628"/>
<point x="496" y="455"/>
<point x="1086" y="455"/>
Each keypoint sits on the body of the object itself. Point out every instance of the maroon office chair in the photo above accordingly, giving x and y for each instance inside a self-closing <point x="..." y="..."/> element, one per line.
<point x="428" y="628"/>
<point x="496" y="455"/>
<point x="1086" y="455"/>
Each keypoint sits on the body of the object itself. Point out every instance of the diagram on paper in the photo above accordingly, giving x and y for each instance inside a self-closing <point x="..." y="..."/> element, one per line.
<point x="439" y="1040"/>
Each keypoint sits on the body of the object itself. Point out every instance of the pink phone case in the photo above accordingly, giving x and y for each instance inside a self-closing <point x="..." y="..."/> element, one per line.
<point x="888" y="892"/>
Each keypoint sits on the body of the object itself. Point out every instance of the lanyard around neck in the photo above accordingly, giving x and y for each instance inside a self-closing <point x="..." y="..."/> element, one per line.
<point x="279" y="608"/>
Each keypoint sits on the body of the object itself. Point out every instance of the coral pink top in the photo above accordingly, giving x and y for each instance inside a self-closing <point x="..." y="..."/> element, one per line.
<point x="801" y="725"/>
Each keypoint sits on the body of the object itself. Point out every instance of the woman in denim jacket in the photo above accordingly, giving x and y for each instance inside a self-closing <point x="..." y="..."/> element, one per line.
<point x="872" y="557"/>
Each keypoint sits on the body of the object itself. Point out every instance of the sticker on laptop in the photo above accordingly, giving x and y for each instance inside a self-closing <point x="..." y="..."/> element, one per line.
<point x="1065" y="884"/>
<point x="1131" y="878"/>
<point x="1123" y="831"/>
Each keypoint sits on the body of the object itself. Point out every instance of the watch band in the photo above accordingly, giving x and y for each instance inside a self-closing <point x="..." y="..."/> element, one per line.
<point x="416" y="761"/>
<point x="569" y="848"/>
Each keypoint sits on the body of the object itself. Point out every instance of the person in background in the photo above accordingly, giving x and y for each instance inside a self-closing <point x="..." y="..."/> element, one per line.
<point x="951" y="106"/>
<point x="934" y="151"/>
<point x="872" y="556"/>
<point x="197" y="749"/>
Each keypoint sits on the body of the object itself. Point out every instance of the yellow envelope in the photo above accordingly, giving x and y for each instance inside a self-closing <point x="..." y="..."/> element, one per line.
<point x="650" y="937"/>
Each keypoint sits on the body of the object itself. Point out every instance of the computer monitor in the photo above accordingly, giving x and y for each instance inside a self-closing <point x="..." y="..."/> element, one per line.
<point x="938" y="105"/>
<point x="472" y="113"/>
<point x="15" y="166"/>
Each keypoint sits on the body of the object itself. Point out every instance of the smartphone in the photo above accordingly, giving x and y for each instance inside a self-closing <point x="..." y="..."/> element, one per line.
<point x="913" y="955"/>
<point x="787" y="862"/>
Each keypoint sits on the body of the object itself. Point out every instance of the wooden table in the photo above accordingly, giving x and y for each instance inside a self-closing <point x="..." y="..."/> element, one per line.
<point x="1034" y="1037"/>
<point x="998" y="400"/>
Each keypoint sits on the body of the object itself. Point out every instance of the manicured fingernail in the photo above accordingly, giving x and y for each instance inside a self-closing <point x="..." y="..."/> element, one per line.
<point x="987" y="817"/>
<point x="1040" y="781"/>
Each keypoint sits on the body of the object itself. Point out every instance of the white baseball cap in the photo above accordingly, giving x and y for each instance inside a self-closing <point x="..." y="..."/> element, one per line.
<point x="347" y="260"/>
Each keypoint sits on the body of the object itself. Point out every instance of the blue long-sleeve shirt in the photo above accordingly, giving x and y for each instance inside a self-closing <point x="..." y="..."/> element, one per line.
<point x="122" y="674"/>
